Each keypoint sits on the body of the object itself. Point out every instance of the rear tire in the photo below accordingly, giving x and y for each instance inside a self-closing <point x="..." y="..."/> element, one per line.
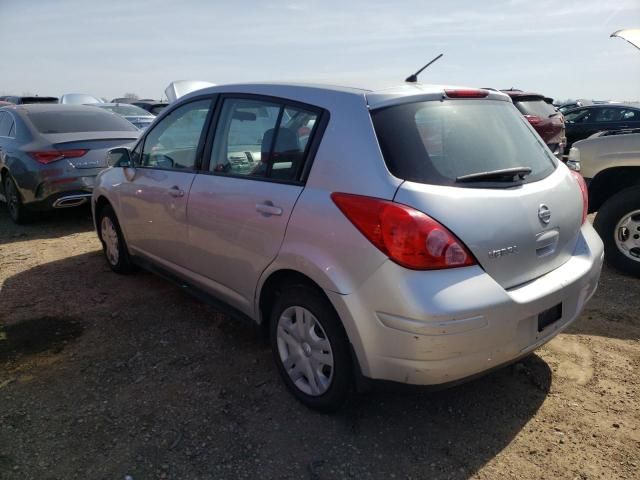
<point x="113" y="245"/>
<point x="618" y="224"/>
<point x="17" y="211"/>
<point x="311" y="348"/>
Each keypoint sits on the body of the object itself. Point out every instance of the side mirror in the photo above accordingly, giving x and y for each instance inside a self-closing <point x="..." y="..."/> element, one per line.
<point x="119" y="157"/>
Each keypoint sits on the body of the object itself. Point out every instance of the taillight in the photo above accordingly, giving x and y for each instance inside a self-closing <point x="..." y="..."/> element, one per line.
<point x="585" y="194"/>
<point x="466" y="93"/>
<point x="407" y="236"/>
<point x="50" y="156"/>
<point x="533" y="119"/>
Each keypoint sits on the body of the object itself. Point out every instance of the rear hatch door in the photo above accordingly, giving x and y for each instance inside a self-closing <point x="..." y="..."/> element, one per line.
<point x="518" y="227"/>
<point x="546" y="120"/>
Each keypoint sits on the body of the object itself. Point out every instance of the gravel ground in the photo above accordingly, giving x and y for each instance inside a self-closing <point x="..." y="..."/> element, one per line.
<point x="111" y="377"/>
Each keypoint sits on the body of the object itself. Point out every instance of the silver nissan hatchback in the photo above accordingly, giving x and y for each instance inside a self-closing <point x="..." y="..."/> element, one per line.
<point x="420" y="234"/>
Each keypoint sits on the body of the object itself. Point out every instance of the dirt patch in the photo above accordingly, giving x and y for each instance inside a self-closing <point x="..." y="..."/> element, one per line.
<point x="38" y="335"/>
<point x="153" y="384"/>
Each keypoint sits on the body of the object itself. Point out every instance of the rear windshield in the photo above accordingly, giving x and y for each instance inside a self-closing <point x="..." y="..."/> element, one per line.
<point x="540" y="108"/>
<point x="91" y="120"/>
<point x="436" y="142"/>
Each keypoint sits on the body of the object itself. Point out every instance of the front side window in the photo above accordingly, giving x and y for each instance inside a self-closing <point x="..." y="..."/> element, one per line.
<point x="257" y="138"/>
<point x="579" y="116"/>
<point x="173" y="142"/>
<point x="608" y="115"/>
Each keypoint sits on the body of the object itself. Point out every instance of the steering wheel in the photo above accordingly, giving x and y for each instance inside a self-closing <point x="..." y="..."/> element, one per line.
<point x="163" y="161"/>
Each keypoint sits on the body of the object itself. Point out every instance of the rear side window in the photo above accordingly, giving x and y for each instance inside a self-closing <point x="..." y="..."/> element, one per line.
<point x="89" y="120"/>
<point x="257" y="138"/>
<point x="437" y="142"/>
<point x="539" y="108"/>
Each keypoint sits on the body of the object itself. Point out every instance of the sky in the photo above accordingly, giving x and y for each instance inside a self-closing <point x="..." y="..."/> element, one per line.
<point x="110" y="47"/>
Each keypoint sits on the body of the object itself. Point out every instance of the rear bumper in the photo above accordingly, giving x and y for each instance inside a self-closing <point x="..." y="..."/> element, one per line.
<point x="60" y="192"/>
<point x="439" y="327"/>
<point x="63" y="199"/>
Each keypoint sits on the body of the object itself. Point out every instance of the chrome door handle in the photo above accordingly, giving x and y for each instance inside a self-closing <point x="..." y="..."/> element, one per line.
<point x="268" y="208"/>
<point x="176" y="192"/>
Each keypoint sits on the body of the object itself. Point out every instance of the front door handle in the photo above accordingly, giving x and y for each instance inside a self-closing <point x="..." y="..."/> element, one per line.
<point x="268" y="209"/>
<point x="176" y="192"/>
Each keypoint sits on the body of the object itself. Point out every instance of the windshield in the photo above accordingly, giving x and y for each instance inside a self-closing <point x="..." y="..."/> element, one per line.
<point x="438" y="142"/>
<point x="127" y="110"/>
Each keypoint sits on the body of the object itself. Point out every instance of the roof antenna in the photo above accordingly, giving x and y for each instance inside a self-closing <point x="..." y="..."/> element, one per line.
<point x="414" y="78"/>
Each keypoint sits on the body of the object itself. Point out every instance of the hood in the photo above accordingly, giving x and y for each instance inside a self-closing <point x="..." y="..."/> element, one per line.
<point x="180" y="88"/>
<point x="631" y="35"/>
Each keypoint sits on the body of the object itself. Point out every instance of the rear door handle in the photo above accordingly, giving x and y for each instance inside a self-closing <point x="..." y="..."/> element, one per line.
<point x="268" y="209"/>
<point x="176" y="192"/>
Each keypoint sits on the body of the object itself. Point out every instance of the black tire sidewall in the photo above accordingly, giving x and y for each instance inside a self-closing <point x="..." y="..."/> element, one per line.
<point x="21" y="215"/>
<point x="124" y="262"/>
<point x="314" y="301"/>
<point x="607" y="218"/>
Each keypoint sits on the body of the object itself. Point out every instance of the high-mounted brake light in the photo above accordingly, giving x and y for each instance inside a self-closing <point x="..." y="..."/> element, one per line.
<point x="409" y="237"/>
<point x="585" y="194"/>
<point x="533" y="119"/>
<point x="50" y="156"/>
<point x="466" y="93"/>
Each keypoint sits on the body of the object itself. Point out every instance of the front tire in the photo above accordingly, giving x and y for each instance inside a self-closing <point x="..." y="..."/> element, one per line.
<point x="311" y="348"/>
<point x="113" y="245"/>
<point x="618" y="224"/>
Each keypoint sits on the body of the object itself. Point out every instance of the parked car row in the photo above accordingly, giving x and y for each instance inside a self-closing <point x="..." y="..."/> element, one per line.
<point x="50" y="154"/>
<point x="139" y="112"/>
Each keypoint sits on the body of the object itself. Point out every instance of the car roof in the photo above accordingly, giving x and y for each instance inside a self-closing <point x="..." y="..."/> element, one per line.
<point x="46" y="107"/>
<point x="375" y="98"/>
<point x="634" y="106"/>
<point x="517" y="94"/>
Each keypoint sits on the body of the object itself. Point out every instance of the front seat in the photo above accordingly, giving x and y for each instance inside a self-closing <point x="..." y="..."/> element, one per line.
<point x="286" y="154"/>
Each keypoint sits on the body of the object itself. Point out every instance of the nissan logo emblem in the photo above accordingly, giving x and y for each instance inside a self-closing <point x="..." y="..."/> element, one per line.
<point x="544" y="214"/>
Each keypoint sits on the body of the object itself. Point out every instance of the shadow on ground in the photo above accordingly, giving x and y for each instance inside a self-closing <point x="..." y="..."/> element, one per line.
<point x="53" y="224"/>
<point x="159" y="383"/>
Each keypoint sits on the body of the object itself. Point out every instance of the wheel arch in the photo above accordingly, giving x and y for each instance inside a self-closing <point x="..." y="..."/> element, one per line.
<point x="610" y="182"/>
<point x="271" y="287"/>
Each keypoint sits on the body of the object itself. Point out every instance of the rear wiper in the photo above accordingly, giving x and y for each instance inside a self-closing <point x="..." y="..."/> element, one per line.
<point x="503" y="174"/>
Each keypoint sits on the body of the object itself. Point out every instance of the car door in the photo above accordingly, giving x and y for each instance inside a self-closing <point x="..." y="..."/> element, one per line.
<point x="153" y="199"/>
<point x="240" y="204"/>
<point x="576" y="122"/>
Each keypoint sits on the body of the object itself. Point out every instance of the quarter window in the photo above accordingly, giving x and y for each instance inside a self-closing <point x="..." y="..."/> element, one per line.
<point x="261" y="139"/>
<point x="5" y="124"/>
<point x="173" y="142"/>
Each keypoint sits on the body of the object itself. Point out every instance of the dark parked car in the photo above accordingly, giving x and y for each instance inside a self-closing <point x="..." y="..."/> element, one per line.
<point x="24" y="100"/>
<point x="50" y="154"/>
<point x="152" y="107"/>
<point x="542" y="116"/>
<point x="585" y="121"/>
<point x="137" y="116"/>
